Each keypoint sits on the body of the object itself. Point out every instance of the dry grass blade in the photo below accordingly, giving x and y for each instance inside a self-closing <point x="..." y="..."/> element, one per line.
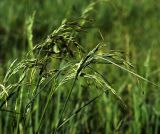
<point x="125" y="69"/>
<point x="105" y="86"/>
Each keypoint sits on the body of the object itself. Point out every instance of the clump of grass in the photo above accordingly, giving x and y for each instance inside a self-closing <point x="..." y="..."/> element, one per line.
<point x="61" y="46"/>
<point x="48" y="66"/>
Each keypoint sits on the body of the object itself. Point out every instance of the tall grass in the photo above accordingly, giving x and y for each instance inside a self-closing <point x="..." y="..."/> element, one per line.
<point x="75" y="82"/>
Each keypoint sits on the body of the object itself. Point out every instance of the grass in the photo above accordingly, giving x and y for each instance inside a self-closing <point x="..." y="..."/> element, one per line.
<point x="78" y="78"/>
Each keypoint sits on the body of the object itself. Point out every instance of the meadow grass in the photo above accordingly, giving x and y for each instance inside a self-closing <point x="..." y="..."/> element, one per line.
<point x="78" y="78"/>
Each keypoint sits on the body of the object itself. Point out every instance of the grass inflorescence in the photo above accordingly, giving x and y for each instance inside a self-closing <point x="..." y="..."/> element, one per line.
<point x="59" y="83"/>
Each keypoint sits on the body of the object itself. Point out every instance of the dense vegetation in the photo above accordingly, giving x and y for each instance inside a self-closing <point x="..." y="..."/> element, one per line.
<point x="89" y="66"/>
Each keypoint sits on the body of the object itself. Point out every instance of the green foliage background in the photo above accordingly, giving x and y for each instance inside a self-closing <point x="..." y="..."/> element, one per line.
<point x="130" y="26"/>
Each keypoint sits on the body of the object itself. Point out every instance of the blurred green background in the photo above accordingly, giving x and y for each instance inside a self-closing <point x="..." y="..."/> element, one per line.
<point x="132" y="26"/>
